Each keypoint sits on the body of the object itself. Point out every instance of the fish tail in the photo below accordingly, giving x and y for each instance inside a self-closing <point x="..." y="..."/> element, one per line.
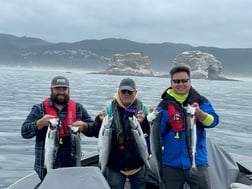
<point x="193" y="169"/>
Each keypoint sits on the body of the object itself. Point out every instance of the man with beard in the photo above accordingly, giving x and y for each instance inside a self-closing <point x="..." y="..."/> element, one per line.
<point x="68" y="112"/>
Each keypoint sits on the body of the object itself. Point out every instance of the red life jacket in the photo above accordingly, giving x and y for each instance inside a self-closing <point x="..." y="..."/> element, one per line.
<point x="176" y="118"/>
<point x="70" y="116"/>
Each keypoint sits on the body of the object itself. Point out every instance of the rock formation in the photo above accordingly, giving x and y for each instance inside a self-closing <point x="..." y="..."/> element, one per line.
<point x="203" y="65"/>
<point x="129" y="64"/>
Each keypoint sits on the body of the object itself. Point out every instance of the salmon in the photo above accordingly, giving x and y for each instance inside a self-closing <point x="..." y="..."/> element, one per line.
<point x="104" y="143"/>
<point x="76" y="153"/>
<point x="138" y="135"/>
<point x="154" y="119"/>
<point x="51" y="144"/>
<point x="191" y="136"/>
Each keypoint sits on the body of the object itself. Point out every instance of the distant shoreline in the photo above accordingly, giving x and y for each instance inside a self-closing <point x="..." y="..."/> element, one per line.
<point x="228" y="77"/>
<point x="163" y="76"/>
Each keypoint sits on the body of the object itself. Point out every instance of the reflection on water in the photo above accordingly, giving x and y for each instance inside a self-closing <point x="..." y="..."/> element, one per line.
<point x="20" y="89"/>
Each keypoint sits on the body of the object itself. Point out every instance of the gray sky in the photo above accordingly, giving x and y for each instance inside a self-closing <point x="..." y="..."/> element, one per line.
<point x="217" y="23"/>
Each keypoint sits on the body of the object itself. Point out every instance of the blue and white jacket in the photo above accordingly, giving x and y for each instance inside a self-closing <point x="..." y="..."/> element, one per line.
<point x="175" y="150"/>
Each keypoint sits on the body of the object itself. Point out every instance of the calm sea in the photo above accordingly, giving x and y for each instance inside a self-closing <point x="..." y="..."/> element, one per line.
<point x="22" y="87"/>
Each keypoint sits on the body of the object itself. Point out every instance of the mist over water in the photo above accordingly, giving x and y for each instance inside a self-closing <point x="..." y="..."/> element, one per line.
<point x="21" y="88"/>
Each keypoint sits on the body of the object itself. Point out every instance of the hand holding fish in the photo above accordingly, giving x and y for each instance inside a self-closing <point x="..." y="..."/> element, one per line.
<point x="83" y="126"/>
<point x="151" y="115"/>
<point x="140" y="116"/>
<point x="198" y="112"/>
<point x="151" y="110"/>
<point x="102" y="114"/>
<point x="44" y="121"/>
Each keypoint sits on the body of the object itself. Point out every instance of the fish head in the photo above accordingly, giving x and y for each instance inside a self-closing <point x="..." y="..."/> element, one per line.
<point x="53" y="123"/>
<point x="134" y="122"/>
<point x="107" y="121"/>
<point x="189" y="109"/>
<point x="151" y="116"/>
<point x="74" y="129"/>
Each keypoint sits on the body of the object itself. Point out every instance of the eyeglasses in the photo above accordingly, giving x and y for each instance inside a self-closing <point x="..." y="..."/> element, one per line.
<point x="127" y="91"/>
<point x="177" y="81"/>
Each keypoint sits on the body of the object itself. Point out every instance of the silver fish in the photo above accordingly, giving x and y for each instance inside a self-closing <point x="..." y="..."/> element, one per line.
<point x="154" y="119"/>
<point x="104" y="143"/>
<point x="138" y="135"/>
<point x="191" y="136"/>
<point x="75" y="145"/>
<point x="51" y="144"/>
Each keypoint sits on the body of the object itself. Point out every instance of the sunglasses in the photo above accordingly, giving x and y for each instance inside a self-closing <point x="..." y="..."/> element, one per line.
<point x="127" y="91"/>
<point x="177" y="81"/>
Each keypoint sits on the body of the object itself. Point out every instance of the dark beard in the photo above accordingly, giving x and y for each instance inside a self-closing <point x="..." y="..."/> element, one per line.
<point x="60" y="101"/>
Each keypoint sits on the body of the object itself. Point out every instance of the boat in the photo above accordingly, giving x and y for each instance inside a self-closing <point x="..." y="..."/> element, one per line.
<point x="227" y="170"/>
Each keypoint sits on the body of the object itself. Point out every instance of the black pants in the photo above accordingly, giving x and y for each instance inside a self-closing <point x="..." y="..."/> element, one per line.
<point x="176" y="178"/>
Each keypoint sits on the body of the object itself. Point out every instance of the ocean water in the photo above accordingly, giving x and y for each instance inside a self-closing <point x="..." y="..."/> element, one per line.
<point x="21" y="88"/>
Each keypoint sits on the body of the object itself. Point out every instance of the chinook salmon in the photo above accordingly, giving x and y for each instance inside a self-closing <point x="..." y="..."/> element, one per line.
<point x="154" y="119"/>
<point x="191" y="136"/>
<point x="138" y="135"/>
<point x="104" y="143"/>
<point x="75" y="145"/>
<point x="51" y="144"/>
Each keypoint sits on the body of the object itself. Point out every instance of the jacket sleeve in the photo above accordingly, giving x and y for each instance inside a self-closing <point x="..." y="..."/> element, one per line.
<point x="29" y="128"/>
<point x="96" y="126"/>
<point x="93" y="129"/>
<point x="208" y="108"/>
<point x="145" y="124"/>
<point x="145" y="109"/>
<point x="164" y="120"/>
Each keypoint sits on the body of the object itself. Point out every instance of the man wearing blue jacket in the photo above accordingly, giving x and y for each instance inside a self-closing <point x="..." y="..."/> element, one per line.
<point x="176" y="159"/>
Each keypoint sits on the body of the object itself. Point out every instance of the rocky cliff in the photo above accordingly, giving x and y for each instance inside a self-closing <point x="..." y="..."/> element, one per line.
<point x="203" y="65"/>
